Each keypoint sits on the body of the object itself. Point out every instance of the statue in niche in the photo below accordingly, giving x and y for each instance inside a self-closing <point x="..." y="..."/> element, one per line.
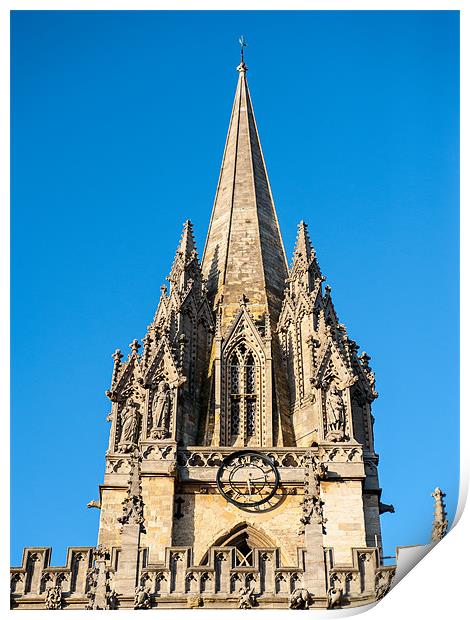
<point x="129" y="426"/>
<point x="160" y="410"/>
<point x="335" y="414"/>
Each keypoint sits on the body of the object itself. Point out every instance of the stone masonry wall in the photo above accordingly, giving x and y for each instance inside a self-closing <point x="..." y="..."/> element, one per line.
<point x="208" y="517"/>
<point x="158" y="497"/>
<point x="344" y="512"/>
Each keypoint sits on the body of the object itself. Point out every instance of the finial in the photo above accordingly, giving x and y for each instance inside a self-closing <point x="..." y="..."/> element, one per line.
<point x="147" y="341"/>
<point x="117" y="356"/>
<point x="135" y="346"/>
<point x="242" y="66"/>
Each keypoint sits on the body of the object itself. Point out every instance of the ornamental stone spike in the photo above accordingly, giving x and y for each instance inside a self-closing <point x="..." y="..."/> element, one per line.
<point x="303" y="245"/>
<point x="147" y="342"/>
<point x="135" y="346"/>
<point x="440" y="523"/>
<point x="117" y="357"/>
<point x="185" y="267"/>
<point x="187" y="245"/>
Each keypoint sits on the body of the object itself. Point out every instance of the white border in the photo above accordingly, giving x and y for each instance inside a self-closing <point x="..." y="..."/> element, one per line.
<point x="436" y="587"/>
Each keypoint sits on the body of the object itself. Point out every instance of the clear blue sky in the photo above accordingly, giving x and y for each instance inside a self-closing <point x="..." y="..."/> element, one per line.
<point x="118" y="127"/>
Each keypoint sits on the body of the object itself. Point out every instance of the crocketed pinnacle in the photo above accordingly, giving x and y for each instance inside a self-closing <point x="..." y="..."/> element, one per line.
<point x="244" y="253"/>
<point x="303" y="245"/>
<point x="186" y="254"/>
<point x="187" y="246"/>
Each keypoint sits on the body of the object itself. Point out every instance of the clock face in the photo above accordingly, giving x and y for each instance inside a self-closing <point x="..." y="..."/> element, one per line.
<point x="247" y="479"/>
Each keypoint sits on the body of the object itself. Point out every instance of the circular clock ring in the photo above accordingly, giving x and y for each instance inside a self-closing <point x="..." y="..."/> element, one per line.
<point x="247" y="478"/>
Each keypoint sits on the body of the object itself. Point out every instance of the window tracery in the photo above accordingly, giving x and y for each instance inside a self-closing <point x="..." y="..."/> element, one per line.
<point x="243" y="395"/>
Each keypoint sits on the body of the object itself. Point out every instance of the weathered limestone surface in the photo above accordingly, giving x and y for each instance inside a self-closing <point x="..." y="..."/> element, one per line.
<point x="158" y="497"/>
<point x="344" y="512"/>
<point x="111" y="508"/>
<point x="211" y="517"/>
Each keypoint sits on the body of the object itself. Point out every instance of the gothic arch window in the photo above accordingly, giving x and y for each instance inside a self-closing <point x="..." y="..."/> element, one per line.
<point x="235" y="395"/>
<point x="243" y="401"/>
<point x="245" y="539"/>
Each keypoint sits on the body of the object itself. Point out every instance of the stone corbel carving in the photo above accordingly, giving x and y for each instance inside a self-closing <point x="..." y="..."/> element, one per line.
<point x="53" y="598"/>
<point x="142" y="598"/>
<point x="335" y="596"/>
<point x="246" y="597"/>
<point x="194" y="602"/>
<point x="383" y="583"/>
<point x="300" y="599"/>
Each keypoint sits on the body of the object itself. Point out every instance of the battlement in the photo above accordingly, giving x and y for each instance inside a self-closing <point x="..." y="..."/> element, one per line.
<point x="226" y="579"/>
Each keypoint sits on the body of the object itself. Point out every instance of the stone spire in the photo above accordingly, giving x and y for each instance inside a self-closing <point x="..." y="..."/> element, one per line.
<point x="440" y="523"/>
<point x="244" y="253"/>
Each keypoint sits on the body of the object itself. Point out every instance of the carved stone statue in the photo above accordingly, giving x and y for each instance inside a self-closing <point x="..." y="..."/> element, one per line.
<point x="113" y="602"/>
<point x="129" y="426"/>
<point x="246" y="598"/>
<point x="334" y="597"/>
<point x="160" y="410"/>
<point x="300" y="599"/>
<point x="335" y="415"/>
<point x="383" y="582"/>
<point x="142" y="598"/>
<point x="53" y="598"/>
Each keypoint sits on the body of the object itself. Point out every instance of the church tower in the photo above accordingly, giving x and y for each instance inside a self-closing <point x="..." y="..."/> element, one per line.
<point x="241" y="469"/>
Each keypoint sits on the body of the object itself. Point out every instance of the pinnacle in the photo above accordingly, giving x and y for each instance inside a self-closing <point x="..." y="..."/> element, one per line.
<point x="187" y="245"/>
<point x="303" y="245"/>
